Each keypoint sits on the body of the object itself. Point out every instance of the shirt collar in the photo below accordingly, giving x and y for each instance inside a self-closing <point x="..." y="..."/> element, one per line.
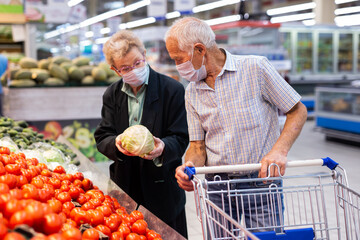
<point x="230" y="65"/>
<point x="128" y="90"/>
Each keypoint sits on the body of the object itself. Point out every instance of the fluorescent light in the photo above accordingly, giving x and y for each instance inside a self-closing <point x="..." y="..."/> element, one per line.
<point x="344" y="1"/>
<point x="213" y="5"/>
<point x="291" y="18"/>
<point x="140" y="22"/>
<point x="293" y="8"/>
<point x="221" y="20"/>
<point x="54" y="50"/>
<point x="101" y="40"/>
<point x="89" y="34"/>
<point x="105" y="30"/>
<point x="310" y="22"/>
<point x="173" y="15"/>
<point x="85" y="43"/>
<point x="99" y="18"/>
<point x="72" y="3"/>
<point x="341" y="11"/>
<point x="349" y="20"/>
<point x="122" y="26"/>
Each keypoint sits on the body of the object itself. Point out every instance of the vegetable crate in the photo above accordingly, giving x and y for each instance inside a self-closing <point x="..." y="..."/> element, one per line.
<point x="309" y="206"/>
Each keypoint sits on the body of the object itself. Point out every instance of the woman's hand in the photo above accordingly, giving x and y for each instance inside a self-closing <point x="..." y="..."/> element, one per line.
<point x="121" y="149"/>
<point x="157" y="151"/>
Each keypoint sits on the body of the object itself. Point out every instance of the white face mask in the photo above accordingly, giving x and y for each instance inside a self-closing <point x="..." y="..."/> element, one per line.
<point x="136" y="77"/>
<point x="187" y="71"/>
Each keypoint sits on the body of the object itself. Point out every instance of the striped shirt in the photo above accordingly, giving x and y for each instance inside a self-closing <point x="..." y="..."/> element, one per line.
<point x="239" y="118"/>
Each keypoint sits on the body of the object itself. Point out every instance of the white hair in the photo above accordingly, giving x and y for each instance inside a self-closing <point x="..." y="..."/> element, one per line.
<point x="189" y="31"/>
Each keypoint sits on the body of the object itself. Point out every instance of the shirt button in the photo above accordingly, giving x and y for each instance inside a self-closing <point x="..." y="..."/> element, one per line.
<point x="135" y="119"/>
<point x="137" y="101"/>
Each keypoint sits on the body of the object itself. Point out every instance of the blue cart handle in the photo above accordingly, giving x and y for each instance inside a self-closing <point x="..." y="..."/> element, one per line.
<point x="191" y="171"/>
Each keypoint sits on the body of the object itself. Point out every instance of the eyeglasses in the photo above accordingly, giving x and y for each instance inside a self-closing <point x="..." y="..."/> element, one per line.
<point x="127" y="69"/>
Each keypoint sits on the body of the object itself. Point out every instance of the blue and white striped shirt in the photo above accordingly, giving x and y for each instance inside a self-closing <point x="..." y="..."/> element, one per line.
<point x="239" y="118"/>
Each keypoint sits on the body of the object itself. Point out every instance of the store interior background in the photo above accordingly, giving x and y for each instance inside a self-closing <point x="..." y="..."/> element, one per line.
<point x="314" y="44"/>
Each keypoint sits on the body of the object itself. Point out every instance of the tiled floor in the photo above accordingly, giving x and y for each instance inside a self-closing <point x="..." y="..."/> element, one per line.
<point x="309" y="145"/>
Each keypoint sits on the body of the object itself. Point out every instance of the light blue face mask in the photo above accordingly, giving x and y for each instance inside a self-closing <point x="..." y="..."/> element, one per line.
<point x="187" y="71"/>
<point x="136" y="77"/>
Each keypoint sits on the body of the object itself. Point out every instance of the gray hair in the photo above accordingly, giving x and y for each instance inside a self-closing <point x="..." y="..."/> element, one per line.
<point x="120" y="44"/>
<point x="189" y="31"/>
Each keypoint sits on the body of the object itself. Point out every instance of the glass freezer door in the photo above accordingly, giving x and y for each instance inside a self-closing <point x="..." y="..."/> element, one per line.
<point x="304" y="53"/>
<point x="325" y="51"/>
<point x="345" y="62"/>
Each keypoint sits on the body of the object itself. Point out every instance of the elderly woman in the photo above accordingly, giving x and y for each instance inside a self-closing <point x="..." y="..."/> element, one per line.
<point x="144" y="97"/>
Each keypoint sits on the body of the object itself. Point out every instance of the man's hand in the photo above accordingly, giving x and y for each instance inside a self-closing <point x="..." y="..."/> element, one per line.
<point x="183" y="179"/>
<point x="273" y="157"/>
<point x="121" y="149"/>
<point x="157" y="151"/>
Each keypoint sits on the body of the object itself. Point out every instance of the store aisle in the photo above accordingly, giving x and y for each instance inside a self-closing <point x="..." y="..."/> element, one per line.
<point x="309" y="145"/>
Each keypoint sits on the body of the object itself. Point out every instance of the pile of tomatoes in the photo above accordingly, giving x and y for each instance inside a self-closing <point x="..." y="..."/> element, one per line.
<point x="55" y="205"/>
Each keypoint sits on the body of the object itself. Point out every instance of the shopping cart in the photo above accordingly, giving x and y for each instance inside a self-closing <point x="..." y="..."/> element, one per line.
<point x="308" y="206"/>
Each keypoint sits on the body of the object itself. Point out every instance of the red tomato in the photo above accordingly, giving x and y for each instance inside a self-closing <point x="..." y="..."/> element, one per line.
<point x="74" y="192"/>
<point x="142" y="237"/>
<point x="9" y="179"/>
<point x="104" y="229"/>
<point x="13" y="169"/>
<point x="132" y="236"/>
<point x="139" y="227"/>
<point x="64" y="197"/>
<point x="33" y="161"/>
<point x="69" y="177"/>
<point x="39" y="237"/>
<point x="81" y="217"/>
<point x="4" y="150"/>
<point x="137" y="214"/>
<point x="117" y="236"/>
<point x="14" y="236"/>
<point x="72" y="234"/>
<point x="97" y="217"/>
<point x="20" y="217"/>
<point x="2" y="168"/>
<point x="79" y="176"/>
<point x="91" y="234"/>
<point x="95" y="202"/>
<point x="16" y="194"/>
<point x="125" y="230"/>
<point x="44" y="195"/>
<point x="21" y="180"/>
<point x="86" y="184"/>
<point x="56" y="183"/>
<point x="64" y="188"/>
<point x="105" y="210"/>
<point x="55" y="205"/>
<point x="67" y="207"/>
<point x="46" y="172"/>
<point x="42" y="166"/>
<point x="35" y="210"/>
<point x="11" y="207"/>
<point x="112" y="223"/>
<point x="55" y="236"/>
<point x="151" y="235"/>
<point x="4" y="199"/>
<point x="82" y="199"/>
<point x="59" y="169"/>
<point x="4" y="188"/>
<point x="52" y="223"/>
<point x="3" y="230"/>
<point x="87" y="206"/>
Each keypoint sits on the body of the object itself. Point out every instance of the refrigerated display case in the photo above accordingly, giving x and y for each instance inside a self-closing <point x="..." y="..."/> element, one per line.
<point x="345" y="52"/>
<point x="337" y="112"/>
<point x="304" y="52"/>
<point x="325" y="53"/>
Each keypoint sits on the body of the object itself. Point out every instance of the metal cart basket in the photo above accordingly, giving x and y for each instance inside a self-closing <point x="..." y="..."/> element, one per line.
<point x="308" y="206"/>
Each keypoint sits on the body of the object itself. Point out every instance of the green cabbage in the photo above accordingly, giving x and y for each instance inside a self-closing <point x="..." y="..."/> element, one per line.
<point x="137" y="140"/>
<point x="52" y="155"/>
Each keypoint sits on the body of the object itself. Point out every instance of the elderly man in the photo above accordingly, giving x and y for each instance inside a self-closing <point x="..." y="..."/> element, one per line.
<point x="144" y="97"/>
<point x="232" y="104"/>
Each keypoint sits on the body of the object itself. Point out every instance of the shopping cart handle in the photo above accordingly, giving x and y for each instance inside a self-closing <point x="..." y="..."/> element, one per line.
<point x="330" y="163"/>
<point x="190" y="171"/>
